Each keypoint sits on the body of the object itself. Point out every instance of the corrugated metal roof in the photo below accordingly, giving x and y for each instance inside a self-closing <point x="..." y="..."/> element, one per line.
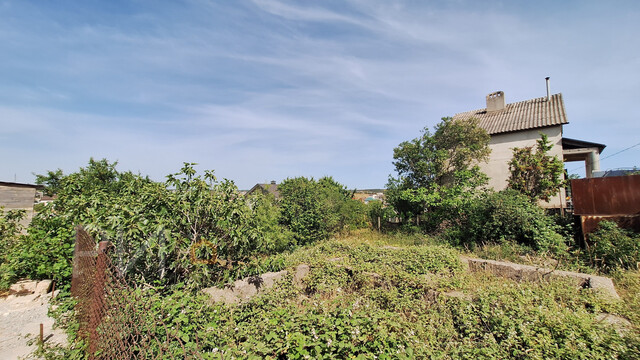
<point x="523" y="115"/>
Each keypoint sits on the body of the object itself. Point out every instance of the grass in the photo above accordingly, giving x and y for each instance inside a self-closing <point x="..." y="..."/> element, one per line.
<point x="628" y="286"/>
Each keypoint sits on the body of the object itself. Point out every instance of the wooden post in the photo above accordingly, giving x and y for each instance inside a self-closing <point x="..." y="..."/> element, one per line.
<point x="378" y="223"/>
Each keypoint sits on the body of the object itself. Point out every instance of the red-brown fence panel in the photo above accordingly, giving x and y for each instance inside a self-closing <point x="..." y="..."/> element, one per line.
<point x="615" y="198"/>
<point x="115" y="319"/>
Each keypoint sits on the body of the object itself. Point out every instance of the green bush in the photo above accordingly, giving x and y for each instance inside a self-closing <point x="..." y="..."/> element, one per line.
<point x="508" y="216"/>
<point x="266" y="222"/>
<point x="313" y="210"/>
<point x="302" y="211"/>
<point x="9" y="236"/>
<point x="377" y="211"/>
<point x="44" y="253"/>
<point x="610" y="247"/>
<point x="190" y="229"/>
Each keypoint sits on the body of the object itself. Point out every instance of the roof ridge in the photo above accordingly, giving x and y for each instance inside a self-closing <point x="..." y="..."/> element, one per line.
<point x="542" y="98"/>
<point x="521" y="115"/>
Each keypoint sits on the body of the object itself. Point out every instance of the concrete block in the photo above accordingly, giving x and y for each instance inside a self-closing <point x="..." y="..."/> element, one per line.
<point x="245" y="289"/>
<point x="520" y="272"/>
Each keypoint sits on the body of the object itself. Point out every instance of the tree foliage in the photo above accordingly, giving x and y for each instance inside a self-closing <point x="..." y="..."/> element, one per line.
<point x="455" y="145"/>
<point x="437" y="171"/>
<point x="190" y="229"/>
<point x="9" y="235"/>
<point x="51" y="181"/>
<point x="313" y="210"/>
<point x="536" y="174"/>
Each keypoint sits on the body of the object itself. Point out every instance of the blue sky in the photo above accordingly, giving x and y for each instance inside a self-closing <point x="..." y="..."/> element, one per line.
<point x="268" y="89"/>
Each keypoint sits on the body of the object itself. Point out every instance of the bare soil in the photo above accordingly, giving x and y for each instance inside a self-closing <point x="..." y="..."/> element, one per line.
<point x="20" y="318"/>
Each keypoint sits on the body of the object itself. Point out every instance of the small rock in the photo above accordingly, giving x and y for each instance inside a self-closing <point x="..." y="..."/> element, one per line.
<point x="244" y="289"/>
<point x="24" y="287"/>
<point x="302" y="271"/>
<point x="457" y="294"/>
<point x="620" y="324"/>
<point x="43" y="287"/>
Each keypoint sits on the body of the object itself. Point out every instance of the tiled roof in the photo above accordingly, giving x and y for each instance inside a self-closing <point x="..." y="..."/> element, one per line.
<point x="523" y="115"/>
<point x="266" y="189"/>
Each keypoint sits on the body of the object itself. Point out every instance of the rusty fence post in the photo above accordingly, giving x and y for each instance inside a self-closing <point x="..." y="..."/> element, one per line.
<point x="97" y="297"/>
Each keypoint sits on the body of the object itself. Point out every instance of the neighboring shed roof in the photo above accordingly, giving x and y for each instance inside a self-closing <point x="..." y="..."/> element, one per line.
<point x="523" y="115"/>
<point x="569" y="144"/>
<point x="13" y="184"/>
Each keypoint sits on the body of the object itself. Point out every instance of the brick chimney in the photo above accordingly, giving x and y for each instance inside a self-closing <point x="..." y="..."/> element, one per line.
<point x="495" y="101"/>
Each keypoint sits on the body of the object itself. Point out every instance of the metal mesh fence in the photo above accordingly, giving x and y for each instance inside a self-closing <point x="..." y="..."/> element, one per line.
<point x="116" y="321"/>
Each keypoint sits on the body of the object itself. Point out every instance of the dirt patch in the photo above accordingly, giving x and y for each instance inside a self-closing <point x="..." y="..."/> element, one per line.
<point x="21" y="314"/>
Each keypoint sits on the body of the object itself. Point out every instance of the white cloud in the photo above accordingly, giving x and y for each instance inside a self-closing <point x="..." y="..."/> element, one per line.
<point x="289" y="88"/>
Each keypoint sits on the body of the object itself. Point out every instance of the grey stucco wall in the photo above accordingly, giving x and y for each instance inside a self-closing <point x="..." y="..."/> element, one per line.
<point x="502" y="151"/>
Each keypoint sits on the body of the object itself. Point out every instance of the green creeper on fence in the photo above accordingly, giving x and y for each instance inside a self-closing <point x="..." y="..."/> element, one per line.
<point x="536" y="174"/>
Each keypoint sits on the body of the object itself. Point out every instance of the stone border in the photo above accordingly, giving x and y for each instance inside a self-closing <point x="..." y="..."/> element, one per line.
<point x="244" y="289"/>
<point x="533" y="273"/>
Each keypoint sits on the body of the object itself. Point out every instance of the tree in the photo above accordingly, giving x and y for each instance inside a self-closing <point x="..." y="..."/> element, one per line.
<point x="536" y="174"/>
<point x="51" y="181"/>
<point x="435" y="158"/>
<point x="190" y="229"/>
<point x="438" y="170"/>
<point x="301" y="210"/>
<point x="313" y="210"/>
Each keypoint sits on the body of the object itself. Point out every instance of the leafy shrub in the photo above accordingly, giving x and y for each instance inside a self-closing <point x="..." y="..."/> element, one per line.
<point x="535" y="320"/>
<point x="191" y="229"/>
<point x="266" y="223"/>
<point x="302" y="211"/>
<point x="313" y="210"/>
<point x="378" y="211"/>
<point x="395" y="311"/>
<point x="610" y="247"/>
<point x="9" y="235"/>
<point x="44" y="253"/>
<point x="9" y="229"/>
<point x="536" y="174"/>
<point x="509" y="216"/>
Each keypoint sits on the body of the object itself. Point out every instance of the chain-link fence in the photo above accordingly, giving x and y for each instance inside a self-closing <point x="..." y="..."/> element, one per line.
<point x="115" y="320"/>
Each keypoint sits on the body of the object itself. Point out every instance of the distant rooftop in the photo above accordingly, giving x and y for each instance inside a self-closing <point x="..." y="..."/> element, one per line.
<point x="271" y="188"/>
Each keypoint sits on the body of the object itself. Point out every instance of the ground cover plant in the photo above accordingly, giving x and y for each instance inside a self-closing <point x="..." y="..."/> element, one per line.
<point x="610" y="247"/>
<point x="370" y="295"/>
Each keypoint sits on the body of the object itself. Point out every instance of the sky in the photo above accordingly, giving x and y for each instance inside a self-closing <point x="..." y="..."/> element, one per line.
<point x="270" y="89"/>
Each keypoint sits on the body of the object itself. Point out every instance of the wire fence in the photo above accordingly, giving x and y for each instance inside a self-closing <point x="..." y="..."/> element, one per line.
<point x="117" y="321"/>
